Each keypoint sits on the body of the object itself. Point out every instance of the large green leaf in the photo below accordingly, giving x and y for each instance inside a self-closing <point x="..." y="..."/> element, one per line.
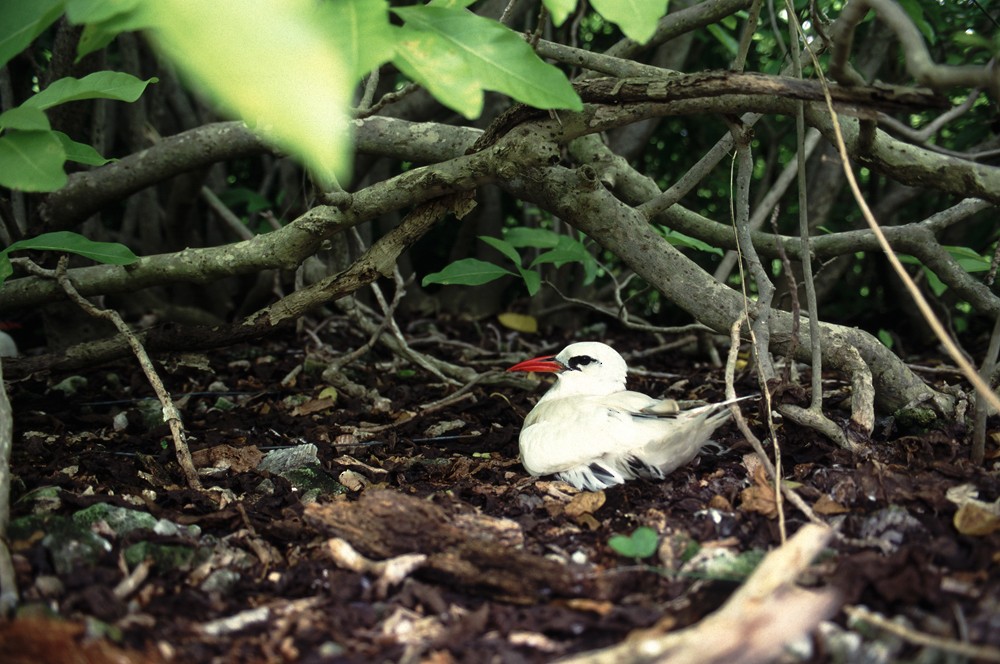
<point x="362" y="31"/>
<point x="636" y="18"/>
<point x="23" y="20"/>
<point x="80" y="152"/>
<point x="24" y="118"/>
<point x="457" y="55"/>
<point x="269" y="62"/>
<point x="467" y="272"/>
<point x="74" y="243"/>
<point x="99" y="85"/>
<point x="31" y="161"/>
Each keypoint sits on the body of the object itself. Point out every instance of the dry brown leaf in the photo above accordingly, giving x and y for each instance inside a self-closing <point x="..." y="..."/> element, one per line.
<point x="720" y="503"/>
<point x="313" y="406"/>
<point x="759" y="497"/>
<point x="587" y="502"/>
<point x="828" y="506"/>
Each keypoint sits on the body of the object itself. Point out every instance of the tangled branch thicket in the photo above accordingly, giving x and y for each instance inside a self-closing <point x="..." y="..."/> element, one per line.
<point x="556" y="164"/>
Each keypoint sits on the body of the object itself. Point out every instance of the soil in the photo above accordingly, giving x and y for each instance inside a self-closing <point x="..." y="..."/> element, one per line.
<point x="425" y="540"/>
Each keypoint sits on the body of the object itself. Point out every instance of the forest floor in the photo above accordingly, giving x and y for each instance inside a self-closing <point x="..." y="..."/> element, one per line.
<point x="117" y="560"/>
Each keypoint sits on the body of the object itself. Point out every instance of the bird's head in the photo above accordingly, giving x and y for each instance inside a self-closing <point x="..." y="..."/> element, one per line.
<point x="585" y="368"/>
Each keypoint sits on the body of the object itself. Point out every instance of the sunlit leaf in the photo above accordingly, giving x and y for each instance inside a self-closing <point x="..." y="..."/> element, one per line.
<point x="467" y="272"/>
<point x="457" y="55"/>
<point x="636" y="18"/>
<point x="23" y="20"/>
<point x="112" y="253"/>
<point x="559" y="10"/>
<point x="270" y="63"/>
<point x="99" y="85"/>
<point x="31" y="161"/>
<point x="362" y="31"/>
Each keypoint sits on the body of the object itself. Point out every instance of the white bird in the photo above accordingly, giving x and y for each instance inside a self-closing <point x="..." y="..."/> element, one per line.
<point x="591" y="432"/>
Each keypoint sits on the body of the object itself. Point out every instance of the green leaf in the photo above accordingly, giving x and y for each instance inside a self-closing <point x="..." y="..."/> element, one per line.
<point x="362" y="31"/>
<point x="271" y="63"/>
<point x="532" y="280"/>
<point x="24" y="118"/>
<point x="636" y="18"/>
<point x="6" y="269"/>
<point x="970" y="259"/>
<point x="113" y="253"/>
<point x="681" y="240"/>
<point x="503" y="247"/>
<point x="104" y="20"/>
<point x="916" y="14"/>
<point x="244" y="196"/>
<point x="80" y="152"/>
<point x="640" y="544"/>
<point x="724" y="38"/>
<point x="457" y="55"/>
<point x="885" y="337"/>
<point x="539" y="238"/>
<point x="559" y="10"/>
<point x="467" y="272"/>
<point x="96" y="11"/>
<point x="567" y="250"/>
<point x="31" y="161"/>
<point x="99" y="85"/>
<point x="23" y="20"/>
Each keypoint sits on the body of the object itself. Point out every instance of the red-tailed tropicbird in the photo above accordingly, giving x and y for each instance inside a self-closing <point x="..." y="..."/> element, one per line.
<point x="591" y="432"/>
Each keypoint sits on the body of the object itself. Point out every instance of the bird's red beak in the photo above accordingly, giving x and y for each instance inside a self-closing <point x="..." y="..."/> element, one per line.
<point x="546" y="363"/>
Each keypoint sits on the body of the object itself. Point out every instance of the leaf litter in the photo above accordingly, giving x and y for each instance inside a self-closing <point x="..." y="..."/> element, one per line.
<point x="427" y="541"/>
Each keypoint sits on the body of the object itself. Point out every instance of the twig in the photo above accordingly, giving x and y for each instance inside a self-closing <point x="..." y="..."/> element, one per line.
<point x="234" y="223"/>
<point x="968" y="370"/>
<point x="816" y="402"/>
<point x="980" y="653"/>
<point x="623" y="316"/>
<point x="985" y="371"/>
<point x="767" y="612"/>
<point x="741" y="424"/>
<point x="170" y="413"/>
<point x="9" y="596"/>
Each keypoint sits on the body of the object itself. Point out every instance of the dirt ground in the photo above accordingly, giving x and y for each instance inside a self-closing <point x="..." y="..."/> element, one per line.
<point x="486" y="564"/>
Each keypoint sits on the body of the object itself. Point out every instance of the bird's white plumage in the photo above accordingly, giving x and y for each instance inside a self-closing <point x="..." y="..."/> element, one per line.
<point x="590" y="431"/>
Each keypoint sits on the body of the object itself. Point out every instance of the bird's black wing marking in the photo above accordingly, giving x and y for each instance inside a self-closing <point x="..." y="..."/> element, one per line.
<point x="601" y="473"/>
<point x="643" y="469"/>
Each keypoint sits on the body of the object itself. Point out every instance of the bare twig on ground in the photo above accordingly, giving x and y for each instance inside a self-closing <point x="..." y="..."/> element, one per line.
<point x="757" y="622"/>
<point x="170" y="413"/>
<point x="970" y="650"/>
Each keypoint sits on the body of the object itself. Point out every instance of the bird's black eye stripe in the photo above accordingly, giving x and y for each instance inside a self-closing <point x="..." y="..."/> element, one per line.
<point x="580" y="361"/>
